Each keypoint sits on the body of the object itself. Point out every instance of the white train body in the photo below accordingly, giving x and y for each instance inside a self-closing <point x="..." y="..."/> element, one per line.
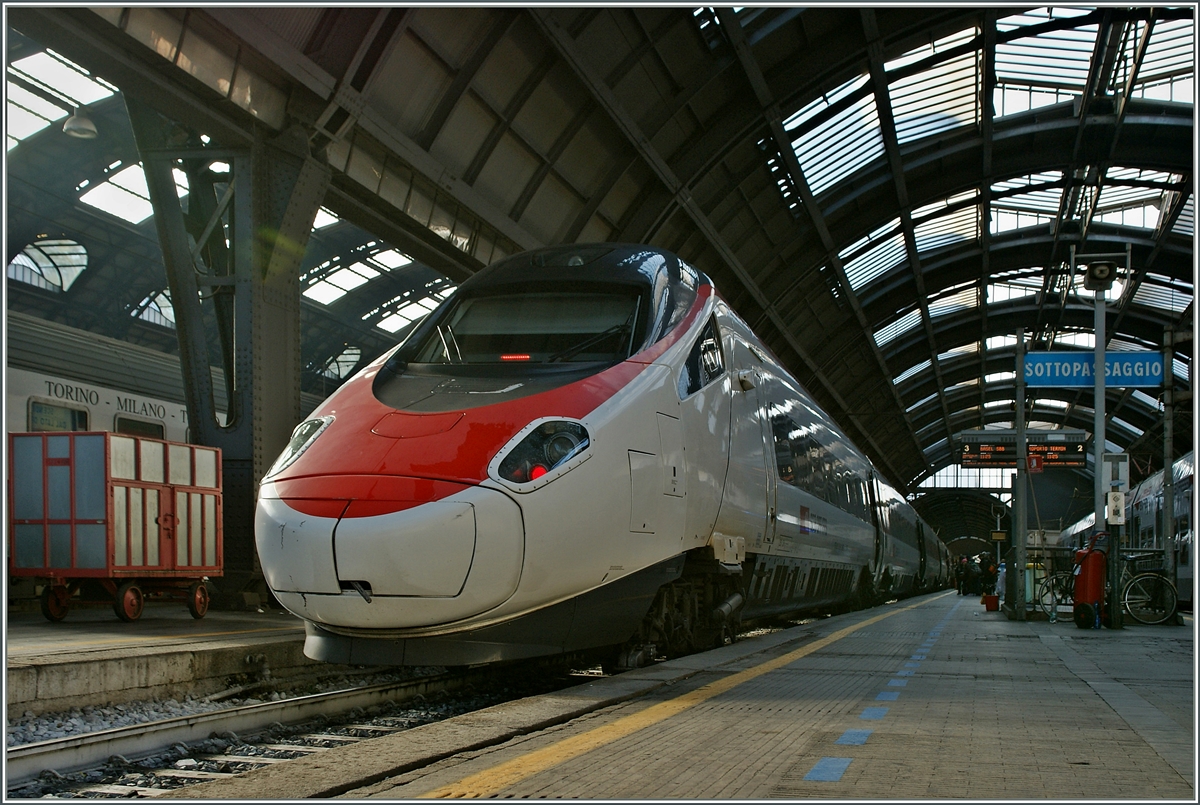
<point x="583" y="447"/>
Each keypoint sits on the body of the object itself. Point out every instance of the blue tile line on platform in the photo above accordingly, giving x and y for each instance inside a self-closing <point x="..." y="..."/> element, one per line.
<point x="874" y="713"/>
<point x="917" y="657"/>
<point x="828" y="770"/>
<point x="854" y="737"/>
<point x="905" y="673"/>
<point x="888" y="696"/>
<point x="897" y="683"/>
<point x="912" y="665"/>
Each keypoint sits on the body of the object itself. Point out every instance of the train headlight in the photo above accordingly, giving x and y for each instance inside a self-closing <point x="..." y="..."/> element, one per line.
<point x="302" y="438"/>
<point x="541" y="452"/>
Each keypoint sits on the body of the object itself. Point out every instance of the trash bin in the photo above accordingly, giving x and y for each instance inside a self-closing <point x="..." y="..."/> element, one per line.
<point x="991" y="603"/>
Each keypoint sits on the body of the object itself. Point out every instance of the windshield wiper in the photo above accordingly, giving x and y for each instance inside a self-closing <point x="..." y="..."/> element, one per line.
<point x="582" y="345"/>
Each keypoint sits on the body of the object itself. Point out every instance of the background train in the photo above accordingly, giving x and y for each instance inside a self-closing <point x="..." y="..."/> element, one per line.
<point x="61" y="378"/>
<point x="583" y="448"/>
<point x="1147" y="528"/>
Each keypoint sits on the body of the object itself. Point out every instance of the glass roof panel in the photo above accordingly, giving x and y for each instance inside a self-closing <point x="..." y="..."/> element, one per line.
<point x="956" y="227"/>
<point x="324" y="218"/>
<point x="897" y="328"/>
<point x="1171" y="52"/>
<point x="124" y="193"/>
<point x="62" y="77"/>
<point x="940" y="98"/>
<point x="966" y="299"/>
<point x="910" y="372"/>
<point x="391" y="259"/>
<point x="875" y="261"/>
<point x="1054" y="59"/>
<point x="119" y="202"/>
<point x="1163" y="293"/>
<point x="324" y="293"/>
<point x="965" y="349"/>
<point x="1013" y="289"/>
<point x="839" y="146"/>
<point x="1185" y="224"/>
<point x="1146" y="400"/>
<point x="27" y="113"/>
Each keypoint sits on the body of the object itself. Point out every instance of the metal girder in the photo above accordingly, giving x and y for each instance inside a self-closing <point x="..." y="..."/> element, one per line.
<point x="683" y="198"/>
<point x="731" y="25"/>
<point x="249" y="274"/>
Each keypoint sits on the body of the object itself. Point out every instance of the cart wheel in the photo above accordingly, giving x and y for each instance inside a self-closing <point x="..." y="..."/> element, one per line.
<point x="54" y="603"/>
<point x="129" y="602"/>
<point x="197" y="600"/>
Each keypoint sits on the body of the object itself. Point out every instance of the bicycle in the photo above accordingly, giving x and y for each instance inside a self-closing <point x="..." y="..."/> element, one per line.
<point x="1150" y="597"/>
<point x="1057" y="590"/>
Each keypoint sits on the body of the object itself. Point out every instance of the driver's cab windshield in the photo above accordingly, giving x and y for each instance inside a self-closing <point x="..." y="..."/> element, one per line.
<point x="536" y="327"/>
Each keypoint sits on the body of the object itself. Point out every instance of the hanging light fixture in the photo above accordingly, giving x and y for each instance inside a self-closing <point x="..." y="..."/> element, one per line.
<point x="80" y="125"/>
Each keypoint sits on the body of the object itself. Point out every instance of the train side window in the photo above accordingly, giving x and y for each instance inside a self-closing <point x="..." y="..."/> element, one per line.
<point x="48" y="417"/>
<point x="138" y="427"/>
<point x="704" y="364"/>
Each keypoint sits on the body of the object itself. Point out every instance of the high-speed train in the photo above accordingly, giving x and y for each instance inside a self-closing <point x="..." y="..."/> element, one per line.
<point x="1145" y="524"/>
<point x="582" y="448"/>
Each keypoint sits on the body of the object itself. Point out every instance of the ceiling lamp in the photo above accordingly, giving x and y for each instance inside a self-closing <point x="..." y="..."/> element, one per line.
<point x="80" y="125"/>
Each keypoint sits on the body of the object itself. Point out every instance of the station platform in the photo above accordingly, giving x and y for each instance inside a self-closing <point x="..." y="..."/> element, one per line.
<point x="932" y="697"/>
<point x="92" y="657"/>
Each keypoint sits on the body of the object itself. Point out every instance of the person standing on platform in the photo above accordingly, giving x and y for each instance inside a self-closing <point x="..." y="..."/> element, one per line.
<point x="960" y="575"/>
<point x="1000" y="578"/>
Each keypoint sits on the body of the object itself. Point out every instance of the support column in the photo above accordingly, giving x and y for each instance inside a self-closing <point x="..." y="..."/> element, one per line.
<point x="1168" y="531"/>
<point x="1020" y="515"/>
<point x="232" y="252"/>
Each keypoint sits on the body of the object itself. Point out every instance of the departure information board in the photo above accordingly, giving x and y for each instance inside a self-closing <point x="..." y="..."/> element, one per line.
<point x="999" y="448"/>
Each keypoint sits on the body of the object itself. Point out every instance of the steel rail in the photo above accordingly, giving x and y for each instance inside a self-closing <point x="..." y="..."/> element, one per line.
<point x="77" y="752"/>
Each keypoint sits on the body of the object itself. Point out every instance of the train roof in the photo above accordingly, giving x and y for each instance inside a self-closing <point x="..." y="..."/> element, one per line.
<point x="47" y="347"/>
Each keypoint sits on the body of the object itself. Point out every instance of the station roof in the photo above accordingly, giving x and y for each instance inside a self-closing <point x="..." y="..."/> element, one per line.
<point x="886" y="194"/>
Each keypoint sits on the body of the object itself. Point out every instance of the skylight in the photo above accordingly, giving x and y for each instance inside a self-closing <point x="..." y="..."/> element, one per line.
<point x="876" y="261"/>
<point x="1043" y="69"/>
<point x="962" y="300"/>
<point x="940" y="98"/>
<point x="124" y="193"/>
<point x="49" y="264"/>
<point x="897" y="328"/>
<point x="43" y="89"/>
<point x="330" y="280"/>
<point x="324" y="218"/>
<point x="836" y="147"/>
<point x="335" y="285"/>
<point x="907" y="373"/>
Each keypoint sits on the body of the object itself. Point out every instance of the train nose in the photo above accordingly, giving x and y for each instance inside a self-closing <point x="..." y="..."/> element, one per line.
<point x="390" y="564"/>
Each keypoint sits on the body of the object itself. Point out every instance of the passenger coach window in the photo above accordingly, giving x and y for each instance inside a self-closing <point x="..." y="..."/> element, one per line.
<point x="705" y="363"/>
<point x="136" y="427"/>
<point x="47" y="417"/>
<point x="552" y="327"/>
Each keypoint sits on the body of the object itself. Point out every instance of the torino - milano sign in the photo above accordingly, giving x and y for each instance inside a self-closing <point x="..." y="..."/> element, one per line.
<point x="1072" y="369"/>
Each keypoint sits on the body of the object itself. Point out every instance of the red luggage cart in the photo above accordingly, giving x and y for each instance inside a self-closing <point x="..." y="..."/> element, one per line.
<point x="108" y="516"/>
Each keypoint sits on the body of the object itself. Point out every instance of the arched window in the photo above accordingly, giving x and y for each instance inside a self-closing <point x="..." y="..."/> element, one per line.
<point x="157" y="309"/>
<point x="49" y="264"/>
<point x="341" y="366"/>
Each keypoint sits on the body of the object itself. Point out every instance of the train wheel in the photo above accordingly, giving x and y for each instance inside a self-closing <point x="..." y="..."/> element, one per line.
<point x="197" y="600"/>
<point x="54" y="603"/>
<point x="129" y="602"/>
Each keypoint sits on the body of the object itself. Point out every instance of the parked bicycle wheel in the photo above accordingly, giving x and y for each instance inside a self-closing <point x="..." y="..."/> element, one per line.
<point x="1150" y="598"/>
<point x="1056" y="593"/>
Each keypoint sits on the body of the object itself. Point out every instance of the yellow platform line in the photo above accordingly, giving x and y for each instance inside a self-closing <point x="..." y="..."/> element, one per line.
<point x="511" y="772"/>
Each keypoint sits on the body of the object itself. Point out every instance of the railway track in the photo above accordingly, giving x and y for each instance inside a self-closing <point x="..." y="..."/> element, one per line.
<point x="147" y="760"/>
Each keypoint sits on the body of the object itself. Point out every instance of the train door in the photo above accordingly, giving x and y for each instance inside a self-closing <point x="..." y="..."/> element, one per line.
<point x="922" y="561"/>
<point x="747" y="507"/>
<point x="873" y="500"/>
